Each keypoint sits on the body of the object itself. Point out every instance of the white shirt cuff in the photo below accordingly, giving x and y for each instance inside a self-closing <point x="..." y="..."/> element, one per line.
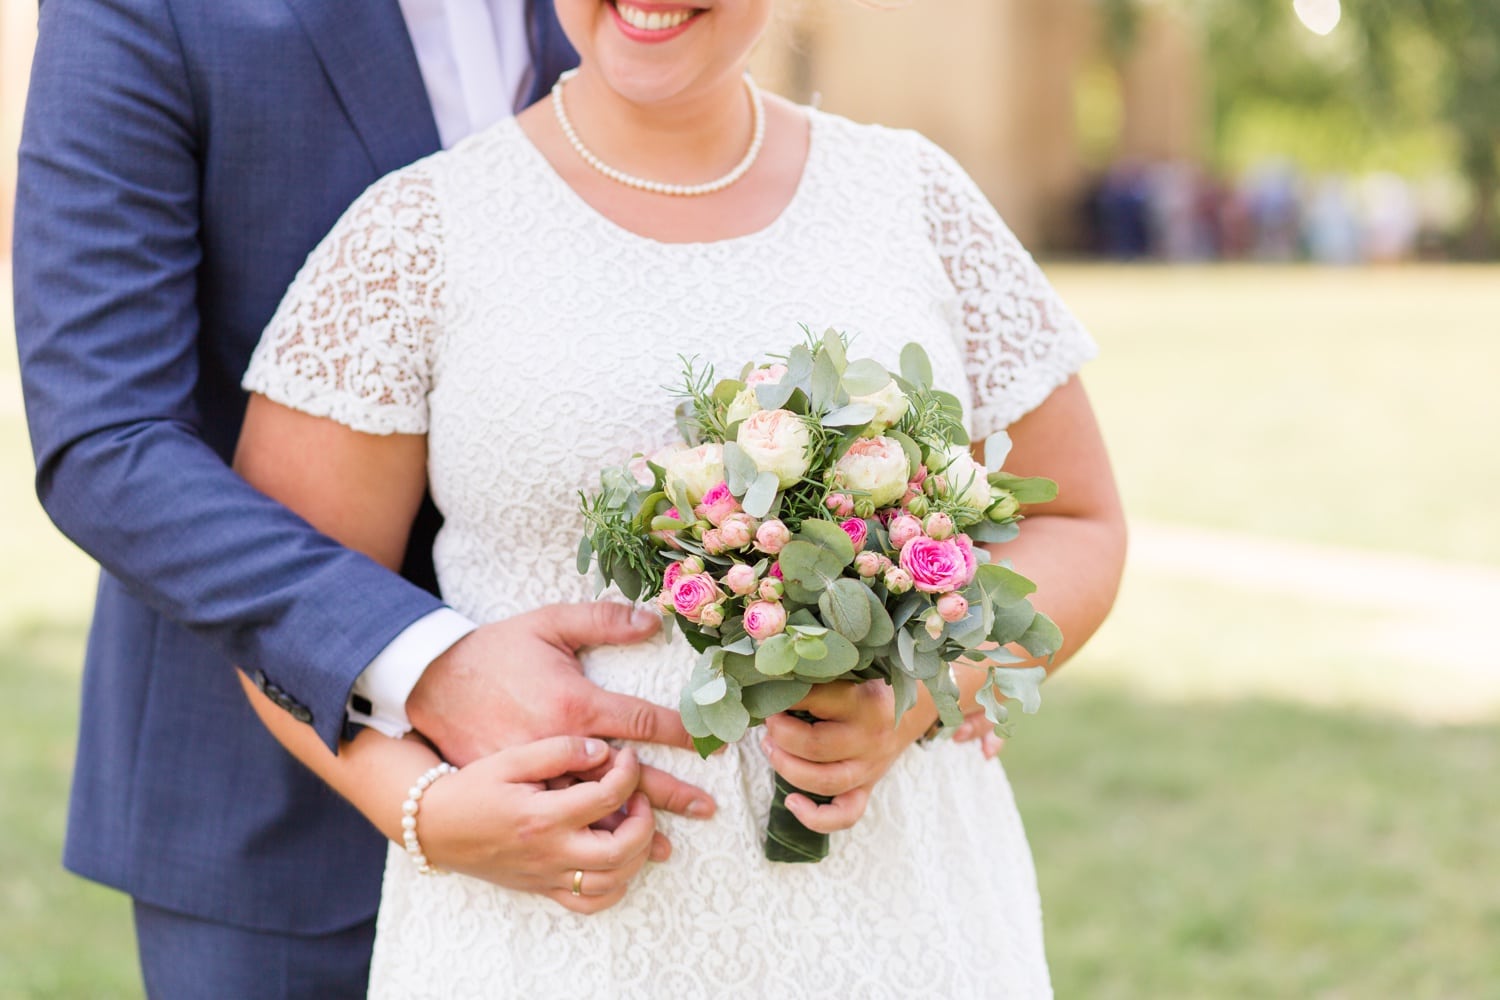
<point x="387" y="682"/>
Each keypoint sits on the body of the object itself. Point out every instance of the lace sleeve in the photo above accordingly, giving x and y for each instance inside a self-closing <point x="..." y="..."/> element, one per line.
<point x="1019" y="341"/>
<point x="352" y="340"/>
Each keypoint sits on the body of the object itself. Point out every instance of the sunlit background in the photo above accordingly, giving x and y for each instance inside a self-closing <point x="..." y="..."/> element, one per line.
<point x="1273" y="772"/>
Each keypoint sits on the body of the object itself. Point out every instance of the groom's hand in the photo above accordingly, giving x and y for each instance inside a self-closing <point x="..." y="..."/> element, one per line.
<point x="519" y="680"/>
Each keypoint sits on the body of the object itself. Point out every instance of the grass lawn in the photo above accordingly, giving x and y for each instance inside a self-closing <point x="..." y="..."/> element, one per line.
<point x="1227" y="793"/>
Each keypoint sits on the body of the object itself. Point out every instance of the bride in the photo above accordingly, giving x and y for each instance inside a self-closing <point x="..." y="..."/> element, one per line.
<point x="497" y="321"/>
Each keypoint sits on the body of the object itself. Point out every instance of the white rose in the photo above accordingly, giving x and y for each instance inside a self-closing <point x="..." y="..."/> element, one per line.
<point x="742" y="406"/>
<point x="890" y="405"/>
<point x="876" y="466"/>
<point x="968" y="481"/>
<point x="699" y="469"/>
<point x="777" y="441"/>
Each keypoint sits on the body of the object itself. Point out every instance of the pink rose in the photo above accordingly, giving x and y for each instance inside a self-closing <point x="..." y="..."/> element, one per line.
<point x="857" y="531"/>
<point x="771" y="537"/>
<point x="737" y="531"/>
<point x="771" y="589"/>
<point x="671" y="576"/>
<point x="904" y="528"/>
<point x="718" y="503"/>
<point x="693" y="594"/>
<point x="740" y="579"/>
<point x="937" y="566"/>
<point x="876" y="467"/>
<point x="669" y="538"/>
<point x="971" y="561"/>
<point x="776" y="571"/>
<point x="869" y="564"/>
<point x="939" y="526"/>
<point x="770" y="375"/>
<point x="840" y="504"/>
<point x="713" y="542"/>
<point x="952" y="606"/>
<point x="764" y="619"/>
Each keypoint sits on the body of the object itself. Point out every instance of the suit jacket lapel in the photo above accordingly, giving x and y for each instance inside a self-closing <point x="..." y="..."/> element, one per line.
<point x="368" y="57"/>
<point x="551" y="52"/>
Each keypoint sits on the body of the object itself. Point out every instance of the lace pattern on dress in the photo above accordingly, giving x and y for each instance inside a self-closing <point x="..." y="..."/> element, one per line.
<point x="1019" y="341"/>
<point x="353" y="339"/>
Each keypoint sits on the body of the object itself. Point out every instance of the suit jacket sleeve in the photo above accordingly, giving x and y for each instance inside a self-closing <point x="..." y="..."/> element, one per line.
<point x="106" y="256"/>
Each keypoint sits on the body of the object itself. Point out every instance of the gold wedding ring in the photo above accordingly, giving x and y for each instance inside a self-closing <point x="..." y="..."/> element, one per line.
<point x="578" y="882"/>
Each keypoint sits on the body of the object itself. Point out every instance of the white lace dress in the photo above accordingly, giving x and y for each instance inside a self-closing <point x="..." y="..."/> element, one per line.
<point x="475" y="298"/>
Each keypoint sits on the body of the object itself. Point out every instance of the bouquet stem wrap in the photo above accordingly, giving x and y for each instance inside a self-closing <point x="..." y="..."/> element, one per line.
<point x="786" y="838"/>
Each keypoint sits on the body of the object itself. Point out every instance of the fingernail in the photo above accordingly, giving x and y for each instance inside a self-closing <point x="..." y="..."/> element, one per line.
<point x="593" y="748"/>
<point x="700" y="809"/>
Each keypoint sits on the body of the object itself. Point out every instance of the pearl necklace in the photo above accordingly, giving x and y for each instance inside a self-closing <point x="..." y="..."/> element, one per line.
<point x="758" y="118"/>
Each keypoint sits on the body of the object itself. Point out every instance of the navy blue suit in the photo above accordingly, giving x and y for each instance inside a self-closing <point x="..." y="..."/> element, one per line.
<point x="180" y="158"/>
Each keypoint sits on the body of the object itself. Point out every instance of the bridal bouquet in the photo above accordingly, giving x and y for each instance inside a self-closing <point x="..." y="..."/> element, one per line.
<point x="819" y="524"/>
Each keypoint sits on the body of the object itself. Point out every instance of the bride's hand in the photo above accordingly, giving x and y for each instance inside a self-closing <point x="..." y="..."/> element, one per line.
<point x="845" y="753"/>
<point x="498" y="820"/>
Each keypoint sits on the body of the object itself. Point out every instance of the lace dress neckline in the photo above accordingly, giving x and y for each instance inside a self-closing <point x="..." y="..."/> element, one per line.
<point x="805" y="183"/>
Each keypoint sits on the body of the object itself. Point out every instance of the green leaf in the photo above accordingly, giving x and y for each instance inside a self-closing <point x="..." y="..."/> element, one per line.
<point x="706" y="745"/>
<point x="907" y="606"/>
<point x="808" y="648"/>
<point x="726" y="719"/>
<point x="841" y="658"/>
<point x="906" y="649"/>
<point x="799" y="366"/>
<point x="904" y="688"/>
<point x="825" y="384"/>
<point x="739" y="469"/>
<point x="853" y="415"/>
<point x="1043" y="637"/>
<point x="1003" y="586"/>
<point x="813" y="566"/>
<point x="988" y="532"/>
<point x="725" y="391"/>
<point x="692" y="715"/>
<point x="775" y="657"/>
<point x="695" y="637"/>
<point x="774" y="697"/>
<point x="1035" y="489"/>
<point x="882" y="629"/>
<point x="864" y="377"/>
<point x="993" y="709"/>
<point x="915" y="367"/>
<point x="1012" y="622"/>
<point x="945" y="695"/>
<point x="996" y="450"/>
<point x="773" y="395"/>
<point x="846" y="609"/>
<point x="833" y="347"/>
<point x="677" y="491"/>
<point x="761" y="495"/>
<point x="585" y="554"/>
<point x="1024" y="684"/>
<point x="713" y="691"/>
<point x="830" y="536"/>
<point x="628" y="579"/>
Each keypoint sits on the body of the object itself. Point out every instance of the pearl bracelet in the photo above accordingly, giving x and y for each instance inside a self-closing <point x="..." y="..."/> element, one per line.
<point x="409" y="810"/>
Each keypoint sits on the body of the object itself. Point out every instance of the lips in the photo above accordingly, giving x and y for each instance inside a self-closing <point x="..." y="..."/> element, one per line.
<point x="653" y="23"/>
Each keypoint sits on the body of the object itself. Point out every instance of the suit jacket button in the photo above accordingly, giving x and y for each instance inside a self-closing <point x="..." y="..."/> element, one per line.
<point x="259" y="678"/>
<point x="300" y="713"/>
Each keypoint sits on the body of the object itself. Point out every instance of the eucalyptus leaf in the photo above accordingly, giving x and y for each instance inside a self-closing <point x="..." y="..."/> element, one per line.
<point x="994" y="710"/>
<point x="928" y="664"/>
<point x="906" y="649"/>
<point x="773" y="395"/>
<point x="1012" y="622"/>
<point x="882" y="630"/>
<point x="739" y="469"/>
<point x="813" y="566"/>
<point x="1026" y="490"/>
<point x="833" y="347"/>
<point x="830" y="536"/>
<point x="913" y="453"/>
<point x="904" y="688"/>
<point x="775" y="657"/>
<point x="713" y="691"/>
<point x="846" y="609"/>
<point x="864" y="377"/>
<point x="852" y="415"/>
<point x="744" y="646"/>
<point x="996" y="450"/>
<point x="945" y="696"/>
<point x="585" y="554"/>
<point x="905" y="608"/>
<point x="841" y="658"/>
<point x="695" y="637"/>
<point x="1024" y="684"/>
<point x="707" y="745"/>
<point x="1003" y="586"/>
<point x="727" y="719"/>
<point x="677" y="491"/>
<point x="692" y="716"/>
<point x="809" y="648"/>
<point x="825" y="384"/>
<point x="1042" y="637"/>
<point x="774" y="697"/>
<point x="628" y="579"/>
<point x="915" y="367"/>
<point x="988" y="532"/>
<point x="761" y="495"/>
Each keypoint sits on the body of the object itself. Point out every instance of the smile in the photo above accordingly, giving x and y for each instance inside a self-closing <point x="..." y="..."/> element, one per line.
<point x="654" y="25"/>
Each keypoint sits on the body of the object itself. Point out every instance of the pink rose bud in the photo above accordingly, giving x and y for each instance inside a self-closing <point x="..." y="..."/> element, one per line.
<point x="935" y="486"/>
<point x="740" y="579"/>
<point x="934" y="623"/>
<point x="917" y="507"/>
<point x="868" y="564"/>
<point x="712" y="616"/>
<point x="1004" y="508"/>
<point x="841" y="504"/>
<point x="919" y="478"/>
<point x="769" y="375"/>
<point x="672" y="574"/>
<point x="764" y="619"/>
<point x="771" y="589"/>
<point x="897" y="580"/>
<point x="776" y="570"/>
<point x="771" y="537"/>
<point x="664" y="601"/>
<point x="937" y="567"/>
<point x="857" y="531"/>
<point x="904" y="528"/>
<point x="718" y="503"/>
<point x="713" y="542"/>
<point x="737" y="531"/>
<point x="694" y="594"/>
<point x="864" y="507"/>
<point x="939" y="526"/>
<point x="691" y="565"/>
<point x="669" y="538"/>
<point x="952" y="606"/>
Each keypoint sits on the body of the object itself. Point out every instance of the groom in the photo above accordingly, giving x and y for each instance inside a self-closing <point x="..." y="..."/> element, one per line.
<point x="180" y="158"/>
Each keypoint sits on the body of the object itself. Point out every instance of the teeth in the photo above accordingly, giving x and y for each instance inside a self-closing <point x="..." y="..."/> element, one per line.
<point x="654" y="20"/>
